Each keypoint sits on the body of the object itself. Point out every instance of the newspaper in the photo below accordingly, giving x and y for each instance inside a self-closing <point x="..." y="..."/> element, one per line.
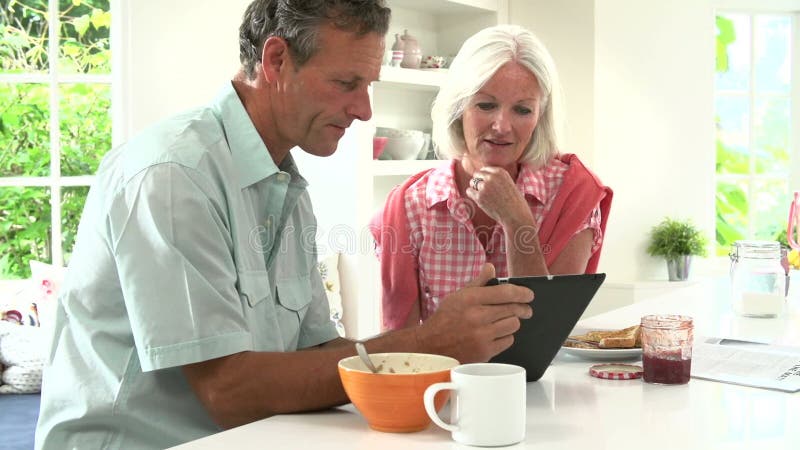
<point x="747" y="363"/>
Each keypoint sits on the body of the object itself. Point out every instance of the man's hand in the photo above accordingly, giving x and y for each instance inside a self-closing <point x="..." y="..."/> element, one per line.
<point x="477" y="322"/>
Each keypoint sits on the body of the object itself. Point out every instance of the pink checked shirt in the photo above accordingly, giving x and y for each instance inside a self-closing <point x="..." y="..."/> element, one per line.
<point x="445" y="242"/>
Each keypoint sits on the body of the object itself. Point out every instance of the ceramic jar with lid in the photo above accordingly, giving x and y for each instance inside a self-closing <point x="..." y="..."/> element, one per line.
<point x="412" y="54"/>
<point x="397" y="51"/>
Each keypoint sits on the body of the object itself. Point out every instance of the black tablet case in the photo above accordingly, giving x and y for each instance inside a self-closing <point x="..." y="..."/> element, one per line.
<point x="558" y="303"/>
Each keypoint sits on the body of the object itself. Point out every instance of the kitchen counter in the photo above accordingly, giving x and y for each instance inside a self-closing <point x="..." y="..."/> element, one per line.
<point x="568" y="409"/>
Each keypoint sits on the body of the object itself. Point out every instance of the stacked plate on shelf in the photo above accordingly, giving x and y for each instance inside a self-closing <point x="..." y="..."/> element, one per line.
<point x="402" y="144"/>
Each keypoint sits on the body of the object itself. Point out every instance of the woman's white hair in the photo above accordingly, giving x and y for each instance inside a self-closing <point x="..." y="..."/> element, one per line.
<point x="477" y="61"/>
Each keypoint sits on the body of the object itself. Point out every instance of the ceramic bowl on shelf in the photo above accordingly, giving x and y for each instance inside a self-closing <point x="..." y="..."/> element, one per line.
<point x="396" y="132"/>
<point x="401" y="144"/>
<point x="391" y="400"/>
<point x="404" y="148"/>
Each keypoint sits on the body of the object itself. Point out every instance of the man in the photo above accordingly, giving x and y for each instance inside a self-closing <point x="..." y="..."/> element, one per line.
<point x="189" y="295"/>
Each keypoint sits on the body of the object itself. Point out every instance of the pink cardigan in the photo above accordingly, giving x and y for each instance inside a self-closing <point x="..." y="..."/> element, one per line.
<point x="580" y="191"/>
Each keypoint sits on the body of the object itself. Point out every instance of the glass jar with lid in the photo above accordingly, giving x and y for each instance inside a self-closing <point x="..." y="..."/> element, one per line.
<point x="757" y="278"/>
<point x="667" y="348"/>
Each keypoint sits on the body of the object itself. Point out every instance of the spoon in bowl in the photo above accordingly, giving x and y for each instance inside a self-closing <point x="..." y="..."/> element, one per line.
<point x="362" y="353"/>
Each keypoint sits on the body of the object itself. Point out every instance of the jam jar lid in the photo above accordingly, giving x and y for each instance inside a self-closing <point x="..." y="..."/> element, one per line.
<point x="616" y="371"/>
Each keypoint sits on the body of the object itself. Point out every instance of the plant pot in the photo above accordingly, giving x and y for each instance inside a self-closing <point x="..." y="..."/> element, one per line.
<point x="678" y="268"/>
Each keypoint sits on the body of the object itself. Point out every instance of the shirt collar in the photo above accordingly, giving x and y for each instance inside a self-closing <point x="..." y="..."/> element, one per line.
<point x="289" y="166"/>
<point x="529" y="182"/>
<point x="442" y="183"/>
<point x="252" y="159"/>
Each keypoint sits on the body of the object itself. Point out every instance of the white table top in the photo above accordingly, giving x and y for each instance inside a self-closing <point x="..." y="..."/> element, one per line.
<point x="568" y="409"/>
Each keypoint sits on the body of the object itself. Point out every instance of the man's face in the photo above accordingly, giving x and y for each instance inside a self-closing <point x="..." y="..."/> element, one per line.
<point x="317" y="102"/>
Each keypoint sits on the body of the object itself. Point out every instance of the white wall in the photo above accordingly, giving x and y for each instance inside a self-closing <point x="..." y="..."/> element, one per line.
<point x="640" y="97"/>
<point x="654" y="121"/>
<point x="567" y="29"/>
<point x="176" y="55"/>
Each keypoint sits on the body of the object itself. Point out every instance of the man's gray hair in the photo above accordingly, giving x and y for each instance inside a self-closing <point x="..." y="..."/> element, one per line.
<point x="478" y="60"/>
<point x="299" y="21"/>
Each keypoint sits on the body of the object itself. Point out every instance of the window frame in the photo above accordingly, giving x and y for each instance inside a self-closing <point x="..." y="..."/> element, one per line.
<point x="790" y="8"/>
<point x="53" y="79"/>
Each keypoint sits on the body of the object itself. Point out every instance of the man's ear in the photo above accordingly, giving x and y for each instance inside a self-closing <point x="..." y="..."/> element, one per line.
<point x="274" y="57"/>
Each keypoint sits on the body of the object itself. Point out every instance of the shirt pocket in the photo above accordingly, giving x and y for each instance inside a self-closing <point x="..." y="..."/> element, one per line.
<point x="294" y="294"/>
<point x="254" y="287"/>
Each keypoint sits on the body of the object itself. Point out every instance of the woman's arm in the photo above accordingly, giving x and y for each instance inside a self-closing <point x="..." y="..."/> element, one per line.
<point x="576" y="254"/>
<point x="499" y="198"/>
<point x="525" y="257"/>
<point x="523" y="251"/>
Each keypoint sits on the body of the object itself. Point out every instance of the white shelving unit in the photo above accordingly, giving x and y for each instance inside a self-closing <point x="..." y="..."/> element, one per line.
<point x="401" y="99"/>
<point x="414" y="79"/>
<point x="401" y="168"/>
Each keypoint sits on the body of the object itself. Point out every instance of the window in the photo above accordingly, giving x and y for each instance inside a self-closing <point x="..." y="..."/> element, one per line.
<point x="55" y="123"/>
<point x="754" y="102"/>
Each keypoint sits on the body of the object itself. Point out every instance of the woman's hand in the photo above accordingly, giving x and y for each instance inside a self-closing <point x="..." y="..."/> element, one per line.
<point x="495" y="192"/>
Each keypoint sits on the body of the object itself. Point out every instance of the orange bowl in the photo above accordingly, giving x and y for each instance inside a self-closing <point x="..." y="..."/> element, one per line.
<point x="391" y="400"/>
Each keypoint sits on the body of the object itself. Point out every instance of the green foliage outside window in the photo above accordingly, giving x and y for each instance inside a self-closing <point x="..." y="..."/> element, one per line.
<point x="83" y="45"/>
<point x="25" y="113"/>
<point x="763" y="214"/>
<point x="731" y="200"/>
<point x="24" y="130"/>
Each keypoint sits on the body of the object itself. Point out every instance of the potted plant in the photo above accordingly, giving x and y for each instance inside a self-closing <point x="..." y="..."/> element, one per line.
<point x="677" y="241"/>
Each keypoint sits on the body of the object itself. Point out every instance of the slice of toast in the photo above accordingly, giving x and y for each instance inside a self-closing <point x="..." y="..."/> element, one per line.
<point x="617" y="342"/>
<point x="625" y="338"/>
<point x="579" y="344"/>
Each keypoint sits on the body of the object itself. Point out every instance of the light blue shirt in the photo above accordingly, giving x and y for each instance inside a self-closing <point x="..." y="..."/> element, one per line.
<point x="193" y="245"/>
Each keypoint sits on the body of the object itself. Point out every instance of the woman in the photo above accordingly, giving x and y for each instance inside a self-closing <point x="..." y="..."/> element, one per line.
<point x="508" y="197"/>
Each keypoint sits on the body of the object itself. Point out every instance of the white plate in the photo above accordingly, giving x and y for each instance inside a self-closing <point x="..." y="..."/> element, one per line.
<point x="604" y="354"/>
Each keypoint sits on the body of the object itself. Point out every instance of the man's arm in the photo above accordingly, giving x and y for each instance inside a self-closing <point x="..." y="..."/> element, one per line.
<point x="472" y="324"/>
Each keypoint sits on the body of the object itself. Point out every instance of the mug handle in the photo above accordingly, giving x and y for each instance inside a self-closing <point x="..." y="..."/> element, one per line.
<point x="430" y="408"/>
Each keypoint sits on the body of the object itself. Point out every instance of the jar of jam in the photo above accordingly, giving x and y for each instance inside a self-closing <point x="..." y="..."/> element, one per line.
<point x="758" y="279"/>
<point x="667" y="348"/>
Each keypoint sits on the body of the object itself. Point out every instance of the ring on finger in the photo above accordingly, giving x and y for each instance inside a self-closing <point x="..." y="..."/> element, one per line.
<point x="475" y="182"/>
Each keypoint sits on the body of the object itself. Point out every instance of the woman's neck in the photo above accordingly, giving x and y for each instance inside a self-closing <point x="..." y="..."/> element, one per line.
<point x="466" y="167"/>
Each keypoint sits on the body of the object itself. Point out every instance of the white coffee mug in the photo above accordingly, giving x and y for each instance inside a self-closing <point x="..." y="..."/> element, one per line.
<point x="487" y="404"/>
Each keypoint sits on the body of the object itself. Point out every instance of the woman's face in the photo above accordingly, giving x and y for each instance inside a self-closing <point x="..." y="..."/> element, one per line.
<point x="500" y="118"/>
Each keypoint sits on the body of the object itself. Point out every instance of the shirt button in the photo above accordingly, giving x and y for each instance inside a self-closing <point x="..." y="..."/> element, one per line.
<point x="268" y="222"/>
<point x="283" y="177"/>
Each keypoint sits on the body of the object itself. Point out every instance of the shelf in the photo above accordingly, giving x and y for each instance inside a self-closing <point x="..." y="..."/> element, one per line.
<point x="408" y="167"/>
<point x="419" y="78"/>
<point x="448" y="6"/>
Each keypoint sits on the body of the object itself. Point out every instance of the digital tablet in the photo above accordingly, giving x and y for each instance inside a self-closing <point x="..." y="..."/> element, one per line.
<point x="558" y="303"/>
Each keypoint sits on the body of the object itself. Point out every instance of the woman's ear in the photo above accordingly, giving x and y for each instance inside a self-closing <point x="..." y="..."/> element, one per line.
<point x="274" y="57"/>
